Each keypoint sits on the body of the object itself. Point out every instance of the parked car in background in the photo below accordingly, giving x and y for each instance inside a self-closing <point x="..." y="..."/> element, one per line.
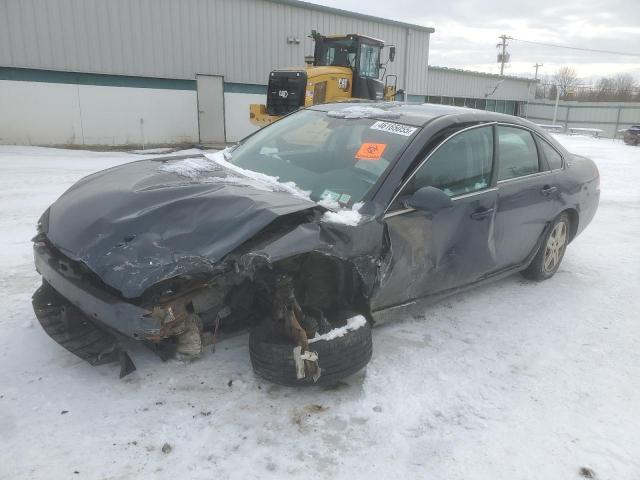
<point x="632" y="135"/>
<point x="304" y="231"/>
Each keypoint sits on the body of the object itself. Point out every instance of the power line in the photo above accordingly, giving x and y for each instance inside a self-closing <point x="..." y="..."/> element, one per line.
<point x="611" y="52"/>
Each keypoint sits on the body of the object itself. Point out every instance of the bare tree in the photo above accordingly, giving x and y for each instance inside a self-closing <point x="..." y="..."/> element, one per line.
<point x="566" y="78"/>
<point x="624" y="85"/>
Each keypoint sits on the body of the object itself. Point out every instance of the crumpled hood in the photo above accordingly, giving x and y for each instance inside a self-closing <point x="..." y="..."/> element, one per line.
<point x="139" y="223"/>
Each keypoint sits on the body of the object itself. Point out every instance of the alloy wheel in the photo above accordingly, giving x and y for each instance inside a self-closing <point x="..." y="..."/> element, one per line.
<point x="555" y="246"/>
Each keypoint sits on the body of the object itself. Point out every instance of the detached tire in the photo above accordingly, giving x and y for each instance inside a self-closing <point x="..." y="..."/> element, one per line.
<point x="546" y="262"/>
<point x="338" y="358"/>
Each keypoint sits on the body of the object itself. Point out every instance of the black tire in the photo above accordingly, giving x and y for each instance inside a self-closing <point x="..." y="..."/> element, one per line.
<point x="338" y="358"/>
<point x="536" y="269"/>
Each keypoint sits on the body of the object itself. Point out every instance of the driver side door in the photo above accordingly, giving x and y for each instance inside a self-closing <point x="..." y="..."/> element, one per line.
<point x="434" y="251"/>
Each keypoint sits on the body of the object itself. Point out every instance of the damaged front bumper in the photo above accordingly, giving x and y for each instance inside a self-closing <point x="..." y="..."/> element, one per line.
<point x="102" y="307"/>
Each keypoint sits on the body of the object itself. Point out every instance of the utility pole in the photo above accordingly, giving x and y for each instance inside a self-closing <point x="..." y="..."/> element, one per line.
<point x="504" y="56"/>
<point x="555" y="108"/>
<point x="536" y="66"/>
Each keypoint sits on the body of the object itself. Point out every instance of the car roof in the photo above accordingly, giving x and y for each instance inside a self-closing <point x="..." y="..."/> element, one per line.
<point x="413" y="114"/>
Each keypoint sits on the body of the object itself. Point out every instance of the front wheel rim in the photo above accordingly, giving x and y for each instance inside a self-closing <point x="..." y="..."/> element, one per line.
<point x="555" y="246"/>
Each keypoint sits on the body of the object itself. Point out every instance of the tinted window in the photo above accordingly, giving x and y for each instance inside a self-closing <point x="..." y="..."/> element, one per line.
<point x="517" y="151"/>
<point x="553" y="157"/>
<point x="461" y="165"/>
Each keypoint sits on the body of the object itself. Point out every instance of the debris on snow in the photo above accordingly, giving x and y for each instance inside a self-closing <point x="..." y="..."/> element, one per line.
<point x="316" y="408"/>
<point x="166" y="448"/>
<point x="587" y="472"/>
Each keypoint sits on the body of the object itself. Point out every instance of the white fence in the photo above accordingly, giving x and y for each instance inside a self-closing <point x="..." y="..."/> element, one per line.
<point x="607" y="116"/>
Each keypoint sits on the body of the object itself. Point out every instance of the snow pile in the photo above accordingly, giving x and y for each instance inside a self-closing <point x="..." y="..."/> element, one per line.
<point x="352" y="324"/>
<point x="192" y="168"/>
<point x="362" y="112"/>
<point x="344" y="216"/>
<point x="329" y="203"/>
<point x="221" y="159"/>
<point x="197" y="168"/>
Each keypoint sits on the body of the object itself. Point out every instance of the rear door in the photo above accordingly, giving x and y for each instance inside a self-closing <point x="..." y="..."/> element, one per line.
<point x="526" y="193"/>
<point x="432" y="252"/>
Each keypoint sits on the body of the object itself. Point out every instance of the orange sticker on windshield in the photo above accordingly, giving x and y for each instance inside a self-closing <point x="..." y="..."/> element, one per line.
<point x="371" y="151"/>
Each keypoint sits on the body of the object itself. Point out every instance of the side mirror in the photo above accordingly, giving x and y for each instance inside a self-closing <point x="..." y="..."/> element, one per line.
<point x="392" y="53"/>
<point x="429" y="199"/>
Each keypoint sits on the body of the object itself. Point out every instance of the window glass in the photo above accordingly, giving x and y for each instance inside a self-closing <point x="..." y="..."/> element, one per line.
<point x="461" y="165"/>
<point x="340" y="53"/>
<point x="369" y="60"/>
<point x="517" y="153"/>
<point x="339" y="159"/>
<point x="553" y="157"/>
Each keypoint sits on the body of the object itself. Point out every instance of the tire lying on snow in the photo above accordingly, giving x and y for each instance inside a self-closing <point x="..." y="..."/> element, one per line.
<point x="341" y="353"/>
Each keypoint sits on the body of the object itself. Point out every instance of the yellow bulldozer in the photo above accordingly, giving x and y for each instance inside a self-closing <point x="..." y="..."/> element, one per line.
<point x="343" y="67"/>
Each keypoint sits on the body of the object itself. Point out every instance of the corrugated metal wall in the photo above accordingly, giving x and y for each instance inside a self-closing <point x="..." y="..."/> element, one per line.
<point x="458" y="83"/>
<point x="608" y="116"/>
<point x="240" y="39"/>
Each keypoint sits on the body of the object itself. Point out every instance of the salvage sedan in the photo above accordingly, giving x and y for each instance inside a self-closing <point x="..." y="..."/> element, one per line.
<point x="305" y="232"/>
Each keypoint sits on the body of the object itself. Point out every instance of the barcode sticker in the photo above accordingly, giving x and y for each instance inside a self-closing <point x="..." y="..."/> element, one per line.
<point x="396" y="128"/>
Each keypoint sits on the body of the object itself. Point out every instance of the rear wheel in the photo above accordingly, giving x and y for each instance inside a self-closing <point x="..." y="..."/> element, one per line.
<point x="546" y="262"/>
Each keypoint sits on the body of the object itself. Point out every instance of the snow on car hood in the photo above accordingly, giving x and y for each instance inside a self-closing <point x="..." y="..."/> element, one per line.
<point x="139" y="223"/>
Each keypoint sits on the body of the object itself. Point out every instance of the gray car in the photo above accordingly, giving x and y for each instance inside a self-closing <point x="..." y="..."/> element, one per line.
<point x="304" y="233"/>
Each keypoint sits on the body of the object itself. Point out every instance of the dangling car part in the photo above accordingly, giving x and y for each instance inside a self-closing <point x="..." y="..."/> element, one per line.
<point x="306" y="232"/>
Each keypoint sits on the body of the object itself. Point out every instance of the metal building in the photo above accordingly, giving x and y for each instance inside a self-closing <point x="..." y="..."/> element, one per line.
<point x="121" y="72"/>
<point x="164" y="71"/>
<point x="486" y="91"/>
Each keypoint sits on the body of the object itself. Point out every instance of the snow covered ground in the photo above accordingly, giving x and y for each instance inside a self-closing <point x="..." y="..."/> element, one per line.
<point x="514" y="380"/>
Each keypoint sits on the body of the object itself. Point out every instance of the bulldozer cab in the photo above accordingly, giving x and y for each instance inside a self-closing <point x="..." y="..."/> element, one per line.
<point x="359" y="53"/>
<point x="343" y="67"/>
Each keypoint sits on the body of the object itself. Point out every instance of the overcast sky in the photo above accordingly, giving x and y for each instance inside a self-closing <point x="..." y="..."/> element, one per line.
<point x="467" y="31"/>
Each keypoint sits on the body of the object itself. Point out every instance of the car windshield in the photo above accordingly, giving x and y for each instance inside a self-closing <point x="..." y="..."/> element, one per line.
<point x="337" y="160"/>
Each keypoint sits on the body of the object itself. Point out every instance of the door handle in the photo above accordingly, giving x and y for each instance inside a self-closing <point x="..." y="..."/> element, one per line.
<point x="481" y="213"/>
<point x="200" y="111"/>
<point x="548" y="190"/>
